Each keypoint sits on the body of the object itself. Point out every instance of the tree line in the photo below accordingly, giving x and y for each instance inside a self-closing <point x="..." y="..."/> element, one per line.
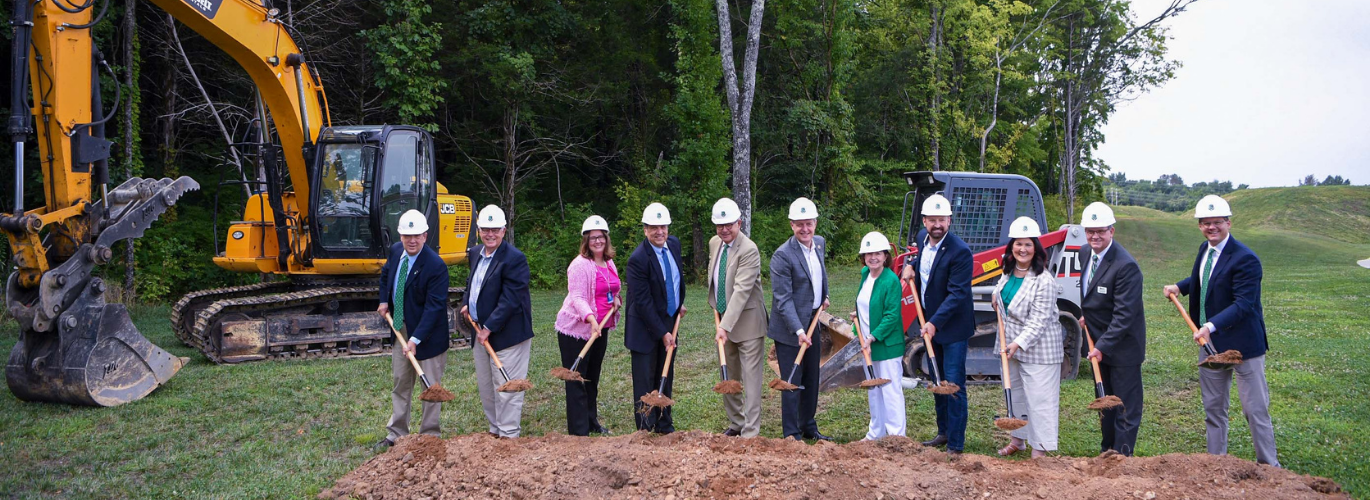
<point x="558" y="109"/>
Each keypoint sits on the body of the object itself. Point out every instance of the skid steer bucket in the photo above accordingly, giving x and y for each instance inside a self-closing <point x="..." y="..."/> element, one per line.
<point x="842" y="364"/>
<point x="73" y="347"/>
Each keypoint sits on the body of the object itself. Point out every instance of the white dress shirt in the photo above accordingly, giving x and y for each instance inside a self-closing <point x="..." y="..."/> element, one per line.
<point x="925" y="260"/>
<point x="1204" y="263"/>
<point x="478" y="281"/>
<point x="815" y="275"/>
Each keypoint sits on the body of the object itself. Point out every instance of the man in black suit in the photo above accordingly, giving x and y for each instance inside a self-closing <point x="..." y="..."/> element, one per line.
<point x="497" y="299"/>
<point x="799" y="285"/>
<point x="656" y="293"/>
<point x="1224" y="290"/>
<point x="414" y="286"/>
<point x="1111" y="297"/>
<point x="942" y="271"/>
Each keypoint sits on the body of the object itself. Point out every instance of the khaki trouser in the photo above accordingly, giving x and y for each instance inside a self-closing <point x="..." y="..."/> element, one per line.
<point x="746" y="364"/>
<point x="403" y="393"/>
<point x="503" y="410"/>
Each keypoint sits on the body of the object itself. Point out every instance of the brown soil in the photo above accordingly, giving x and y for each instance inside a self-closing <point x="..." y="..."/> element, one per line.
<point x="728" y="387"/>
<point x="781" y="385"/>
<point x="516" y="385"/>
<point x="945" y="388"/>
<point x="437" y="394"/>
<point x="699" y="465"/>
<point x="1009" y="423"/>
<point x="875" y="382"/>
<point x="566" y="374"/>
<point x="655" y="399"/>
<point x="1226" y="358"/>
<point x="1106" y="403"/>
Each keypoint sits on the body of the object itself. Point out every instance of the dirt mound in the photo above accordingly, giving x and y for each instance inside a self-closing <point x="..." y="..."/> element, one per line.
<point x="699" y="465"/>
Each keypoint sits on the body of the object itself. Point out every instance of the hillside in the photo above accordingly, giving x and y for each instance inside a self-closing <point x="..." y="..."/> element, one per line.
<point x="1338" y="212"/>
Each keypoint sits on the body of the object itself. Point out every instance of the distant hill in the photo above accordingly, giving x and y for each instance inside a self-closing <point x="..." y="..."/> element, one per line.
<point x="1338" y="212"/>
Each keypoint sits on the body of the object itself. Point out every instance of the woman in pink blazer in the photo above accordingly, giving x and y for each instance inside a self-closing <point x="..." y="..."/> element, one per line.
<point x="592" y="287"/>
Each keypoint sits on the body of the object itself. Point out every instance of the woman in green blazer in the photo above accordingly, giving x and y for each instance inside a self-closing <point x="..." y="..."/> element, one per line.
<point x="882" y="331"/>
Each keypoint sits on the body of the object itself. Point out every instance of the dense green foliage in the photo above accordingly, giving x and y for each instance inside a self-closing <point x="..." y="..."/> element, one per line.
<point x="558" y="109"/>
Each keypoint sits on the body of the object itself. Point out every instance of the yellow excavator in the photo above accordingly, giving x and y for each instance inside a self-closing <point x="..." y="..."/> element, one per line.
<point x="324" y="222"/>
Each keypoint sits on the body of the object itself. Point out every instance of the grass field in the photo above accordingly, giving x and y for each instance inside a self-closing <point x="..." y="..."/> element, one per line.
<point x="289" y="429"/>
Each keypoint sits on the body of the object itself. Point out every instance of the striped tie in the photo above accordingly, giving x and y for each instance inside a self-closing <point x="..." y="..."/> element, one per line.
<point x="722" y="280"/>
<point x="399" y="293"/>
<point x="1203" y="285"/>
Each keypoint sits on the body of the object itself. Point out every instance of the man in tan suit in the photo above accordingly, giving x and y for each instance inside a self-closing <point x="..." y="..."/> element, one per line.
<point x="735" y="294"/>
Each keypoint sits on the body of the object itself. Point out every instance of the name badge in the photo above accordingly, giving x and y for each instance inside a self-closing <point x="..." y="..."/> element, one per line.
<point x="1102" y="289"/>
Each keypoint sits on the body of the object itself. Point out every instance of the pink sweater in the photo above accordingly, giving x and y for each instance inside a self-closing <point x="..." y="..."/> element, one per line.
<point x="580" y="296"/>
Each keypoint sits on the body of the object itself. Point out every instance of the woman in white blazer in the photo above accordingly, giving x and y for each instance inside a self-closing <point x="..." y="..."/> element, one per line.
<point x="1026" y="295"/>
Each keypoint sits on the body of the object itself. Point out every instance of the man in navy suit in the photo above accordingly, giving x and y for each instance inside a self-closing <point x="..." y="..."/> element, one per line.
<point x="942" y="271"/>
<point x="656" y="293"/>
<point x="1224" y="290"/>
<point x="497" y="299"/>
<point x="414" y="286"/>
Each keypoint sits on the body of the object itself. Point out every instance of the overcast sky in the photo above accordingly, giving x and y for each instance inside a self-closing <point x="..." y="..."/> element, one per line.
<point x="1270" y="91"/>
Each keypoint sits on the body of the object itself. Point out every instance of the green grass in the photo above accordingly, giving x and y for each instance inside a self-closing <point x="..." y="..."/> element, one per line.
<point x="289" y="429"/>
<point x="1341" y="213"/>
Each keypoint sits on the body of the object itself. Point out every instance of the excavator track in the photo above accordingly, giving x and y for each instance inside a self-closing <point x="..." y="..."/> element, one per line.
<point x="313" y="322"/>
<point x="184" y="312"/>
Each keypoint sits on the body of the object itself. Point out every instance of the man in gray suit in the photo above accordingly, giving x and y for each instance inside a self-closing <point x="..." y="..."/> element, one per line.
<point x="1111" y="297"/>
<point x="799" y="285"/>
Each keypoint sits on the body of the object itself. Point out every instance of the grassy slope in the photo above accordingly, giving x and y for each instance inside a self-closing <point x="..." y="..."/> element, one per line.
<point x="287" y="429"/>
<point x="1341" y="213"/>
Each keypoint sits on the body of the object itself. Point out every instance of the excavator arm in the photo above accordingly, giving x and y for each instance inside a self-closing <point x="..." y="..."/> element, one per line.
<point x="73" y="347"/>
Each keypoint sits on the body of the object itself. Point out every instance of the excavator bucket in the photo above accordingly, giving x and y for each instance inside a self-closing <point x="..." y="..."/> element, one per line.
<point x="842" y="364"/>
<point x="73" y="347"/>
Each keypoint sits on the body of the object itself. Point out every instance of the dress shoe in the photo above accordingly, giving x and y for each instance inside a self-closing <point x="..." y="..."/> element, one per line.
<point x="732" y="432"/>
<point x="598" y="428"/>
<point x="953" y="455"/>
<point x="794" y="437"/>
<point x="385" y="443"/>
<point x="940" y="440"/>
<point x="818" y="436"/>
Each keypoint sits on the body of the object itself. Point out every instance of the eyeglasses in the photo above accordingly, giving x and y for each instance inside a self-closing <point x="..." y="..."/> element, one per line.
<point x="1211" y="224"/>
<point x="598" y="238"/>
<point x="1097" y="232"/>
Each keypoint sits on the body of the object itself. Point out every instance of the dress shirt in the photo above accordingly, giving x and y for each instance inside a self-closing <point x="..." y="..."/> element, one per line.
<point x="478" y="280"/>
<point x="1217" y="255"/>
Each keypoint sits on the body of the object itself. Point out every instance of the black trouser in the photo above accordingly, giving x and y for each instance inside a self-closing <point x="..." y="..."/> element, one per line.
<point x="646" y="377"/>
<point x="1119" y="425"/>
<point x="582" y="398"/>
<point x="797" y="408"/>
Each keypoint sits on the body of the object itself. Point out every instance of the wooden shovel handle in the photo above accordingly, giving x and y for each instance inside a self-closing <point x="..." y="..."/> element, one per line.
<point x="802" y="347"/>
<point x="595" y="335"/>
<point x="722" y="360"/>
<point x="1003" y="354"/>
<point x="670" y="350"/>
<point x="488" y="348"/>
<point x="865" y="351"/>
<point x="918" y="306"/>
<point x="1098" y="378"/>
<point x="410" y="355"/>
<point x="1185" y="314"/>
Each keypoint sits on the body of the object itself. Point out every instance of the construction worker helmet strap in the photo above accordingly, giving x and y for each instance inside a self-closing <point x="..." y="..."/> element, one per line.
<point x="803" y="209"/>
<point x="413" y="222"/>
<point x="594" y="223"/>
<point x="1212" y="206"/>
<point x="491" y="217"/>
<point x="1024" y="227"/>
<point x="937" y="205"/>
<point x="874" y="242"/>
<point x="1096" y="215"/>
<point x="725" y="211"/>
<point x="656" y="215"/>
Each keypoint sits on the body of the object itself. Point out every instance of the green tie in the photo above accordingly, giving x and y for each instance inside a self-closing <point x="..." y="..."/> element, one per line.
<point x="1092" y="268"/>
<point x="399" y="293"/>
<point x="722" y="280"/>
<point x="1203" y="285"/>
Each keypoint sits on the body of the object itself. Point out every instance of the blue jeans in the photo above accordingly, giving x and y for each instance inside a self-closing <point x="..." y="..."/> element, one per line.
<point x="952" y="410"/>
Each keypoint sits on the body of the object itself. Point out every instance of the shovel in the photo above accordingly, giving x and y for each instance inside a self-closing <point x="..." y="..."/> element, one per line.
<point x="510" y="384"/>
<point x="1215" y="361"/>
<point x="433" y="393"/>
<point x="1006" y="423"/>
<point x="788" y="383"/>
<point x="1101" y="400"/>
<point x="657" y="398"/>
<point x="871" y="381"/>
<point x="572" y="375"/>
<point x="938" y="386"/>
<point x="725" y="386"/>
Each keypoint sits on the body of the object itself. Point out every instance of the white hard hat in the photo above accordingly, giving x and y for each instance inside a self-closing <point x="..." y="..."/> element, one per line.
<point x="1096" y="215"/>
<point x="726" y="211"/>
<point x="874" y="242"/>
<point x="803" y="209"/>
<point x="413" y="222"/>
<point x="491" y="217"/>
<point x="656" y="215"/>
<point x="1212" y="206"/>
<point x="1024" y="227"/>
<point x="594" y="223"/>
<point x="936" y="205"/>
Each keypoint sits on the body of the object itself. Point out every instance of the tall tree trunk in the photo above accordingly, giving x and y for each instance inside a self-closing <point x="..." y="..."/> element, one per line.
<point x="740" y="100"/>
<point x="213" y="110"/>
<point x="934" y="41"/>
<point x="130" y="29"/>
<point x="994" y="108"/>
<point x="511" y="163"/>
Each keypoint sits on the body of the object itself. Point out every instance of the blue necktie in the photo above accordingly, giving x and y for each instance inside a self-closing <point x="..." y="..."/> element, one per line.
<point x="669" y="274"/>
